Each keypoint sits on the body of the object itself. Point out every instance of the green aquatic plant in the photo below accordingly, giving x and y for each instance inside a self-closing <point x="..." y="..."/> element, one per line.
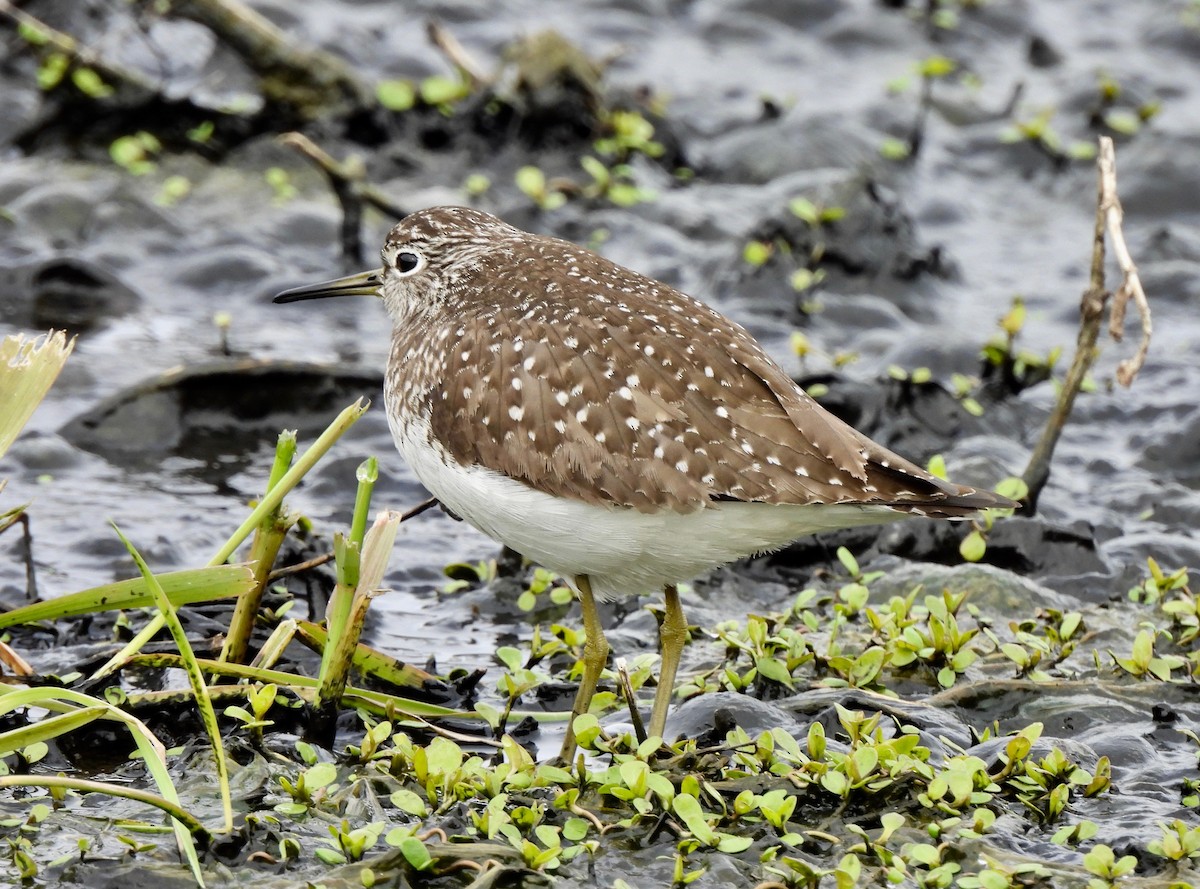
<point x="1038" y="132"/>
<point x="532" y="182"/>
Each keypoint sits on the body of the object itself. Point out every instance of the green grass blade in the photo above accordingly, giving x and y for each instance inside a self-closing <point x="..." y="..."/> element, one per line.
<point x="195" y="677"/>
<point x="273" y="648"/>
<point x="266" y="506"/>
<point x="132" y="647"/>
<point x="151" y="749"/>
<point x="177" y="812"/>
<point x="181" y="588"/>
<point x="303" y="686"/>
<point x="268" y="538"/>
<point x="291" y="478"/>
<point x="367" y="660"/>
<point x="46" y="729"/>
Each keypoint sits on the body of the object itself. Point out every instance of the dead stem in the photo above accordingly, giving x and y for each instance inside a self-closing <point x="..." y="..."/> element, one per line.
<point x="1108" y="217"/>
<point x="348" y="179"/>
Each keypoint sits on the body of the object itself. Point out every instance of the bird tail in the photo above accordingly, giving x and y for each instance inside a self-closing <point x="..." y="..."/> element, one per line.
<point x="950" y="501"/>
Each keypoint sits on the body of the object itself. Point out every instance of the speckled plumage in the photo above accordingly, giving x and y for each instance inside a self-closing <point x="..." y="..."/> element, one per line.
<point x="607" y="426"/>
<point x="557" y="368"/>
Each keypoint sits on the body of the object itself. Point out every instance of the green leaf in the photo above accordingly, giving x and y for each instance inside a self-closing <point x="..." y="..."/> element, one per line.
<point x="687" y="807"/>
<point x="865" y="759"/>
<point x="415" y="853"/>
<point x="33" y="33"/>
<point x="575" y="829"/>
<point x="531" y="181"/>
<point x="476" y="184"/>
<point x="511" y="657"/>
<point x="848" y="561"/>
<point x="444" y="756"/>
<point x="1143" y="649"/>
<point x="52" y="70"/>
<point x="88" y="82"/>
<point x="836" y="783"/>
<point x="804" y="279"/>
<point x="407" y="801"/>
<point x="1124" y="122"/>
<point x="894" y="149"/>
<point x="806" y="210"/>
<point x="320" y="775"/>
<point x="202" y="131"/>
<point x="396" y="95"/>
<point x="973" y="546"/>
<point x="733" y="844"/>
<point x="439" y="90"/>
<point x="924" y="853"/>
<point x="937" y="66"/>
<point x="756" y="253"/>
<point x="595" y="168"/>
<point x="180" y="587"/>
<point x="1012" y="487"/>
<point x="173" y="190"/>
<point x="773" y="669"/>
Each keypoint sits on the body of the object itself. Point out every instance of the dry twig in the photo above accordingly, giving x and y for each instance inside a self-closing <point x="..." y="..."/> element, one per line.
<point x="348" y="179"/>
<point x="457" y="55"/>
<point x="1131" y="283"/>
<point x="310" y="82"/>
<point x="80" y="55"/>
<point x="1109" y="216"/>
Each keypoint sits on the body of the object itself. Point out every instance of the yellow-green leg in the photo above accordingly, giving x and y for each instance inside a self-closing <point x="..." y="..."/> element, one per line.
<point x="672" y="636"/>
<point x="595" y="654"/>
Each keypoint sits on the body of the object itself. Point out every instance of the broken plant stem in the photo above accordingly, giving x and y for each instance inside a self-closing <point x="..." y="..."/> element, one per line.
<point x="1131" y="283"/>
<point x="347" y="612"/>
<point x="78" y="54"/>
<point x="266" y="506"/>
<point x="1091" y="309"/>
<point x="348" y="179"/>
<point x="456" y="54"/>
<point x="635" y="716"/>
<point x="306" y="81"/>
<point x="268" y="538"/>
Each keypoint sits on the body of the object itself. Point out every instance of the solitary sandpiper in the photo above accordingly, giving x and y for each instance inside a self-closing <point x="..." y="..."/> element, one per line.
<point x="608" y="427"/>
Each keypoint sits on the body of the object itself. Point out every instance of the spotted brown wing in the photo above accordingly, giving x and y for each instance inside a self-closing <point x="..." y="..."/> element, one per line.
<point x="601" y="385"/>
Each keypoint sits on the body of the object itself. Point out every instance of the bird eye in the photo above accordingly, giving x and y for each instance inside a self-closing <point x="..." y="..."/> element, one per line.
<point x="407" y="262"/>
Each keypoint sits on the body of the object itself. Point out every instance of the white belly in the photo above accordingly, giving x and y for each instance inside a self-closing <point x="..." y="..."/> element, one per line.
<point x="623" y="552"/>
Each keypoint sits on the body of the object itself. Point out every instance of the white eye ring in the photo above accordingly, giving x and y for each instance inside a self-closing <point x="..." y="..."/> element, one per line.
<point x="408" y="263"/>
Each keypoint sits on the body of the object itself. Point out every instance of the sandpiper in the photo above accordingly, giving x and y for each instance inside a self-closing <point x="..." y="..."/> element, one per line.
<point x="614" y="430"/>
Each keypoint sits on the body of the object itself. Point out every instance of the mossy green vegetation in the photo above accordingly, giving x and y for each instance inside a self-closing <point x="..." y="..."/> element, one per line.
<point x="872" y="792"/>
<point x="892" y="772"/>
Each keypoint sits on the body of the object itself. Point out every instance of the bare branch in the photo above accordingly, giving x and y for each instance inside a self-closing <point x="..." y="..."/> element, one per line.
<point x="79" y="54"/>
<point x="456" y="54"/>
<point x="312" y="82"/>
<point x="1131" y="284"/>
<point x="1109" y="217"/>
<point x="348" y="179"/>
